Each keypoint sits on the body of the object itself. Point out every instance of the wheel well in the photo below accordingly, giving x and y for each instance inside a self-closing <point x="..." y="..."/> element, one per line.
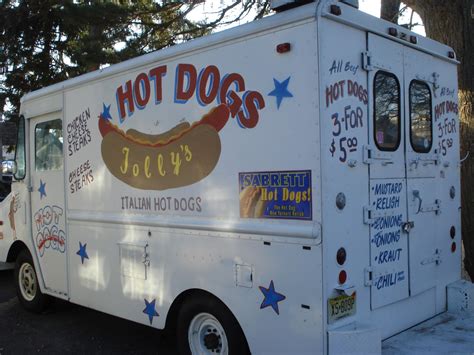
<point x="172" y="317"/>
<point x="15" y="250"/>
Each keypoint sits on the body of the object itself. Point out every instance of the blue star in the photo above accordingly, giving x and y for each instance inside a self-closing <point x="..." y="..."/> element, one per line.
<point x="281" y="90"/>
<point x="271" y="297"/>
<point x="106" y="112"/>
<point x="42" y="189"/>
<point x="150" y="310"/>
<point x="82" y="252"/>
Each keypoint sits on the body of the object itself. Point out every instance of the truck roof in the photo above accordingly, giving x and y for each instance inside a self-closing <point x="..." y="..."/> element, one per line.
<point x="349" y="16"/>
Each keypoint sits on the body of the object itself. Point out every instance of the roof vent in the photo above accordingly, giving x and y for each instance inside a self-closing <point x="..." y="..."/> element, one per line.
<point x="282" y="5"/>
<point x="353" y="3"/>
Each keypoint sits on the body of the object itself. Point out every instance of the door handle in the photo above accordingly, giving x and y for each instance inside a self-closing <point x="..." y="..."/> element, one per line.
<point x="416" y="196"/>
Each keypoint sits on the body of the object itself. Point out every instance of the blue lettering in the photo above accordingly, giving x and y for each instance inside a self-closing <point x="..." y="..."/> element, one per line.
<point x="388" y="256"/>
<point x="387" y="238"/>
<point x="388" y="188"/>
<point x="387" y="203"/>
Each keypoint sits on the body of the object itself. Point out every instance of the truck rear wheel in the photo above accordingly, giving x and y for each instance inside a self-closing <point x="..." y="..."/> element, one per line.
<point x="206" y="326"/>
<point x="27" y="285"/>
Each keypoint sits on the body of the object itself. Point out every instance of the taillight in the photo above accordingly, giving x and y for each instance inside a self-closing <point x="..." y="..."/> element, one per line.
<point x="342" y="277"/>
<point x="283" y="47"/>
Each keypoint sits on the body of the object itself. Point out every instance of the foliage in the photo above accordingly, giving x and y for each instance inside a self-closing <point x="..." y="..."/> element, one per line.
<point x="47" y="41"/>
<point x="452" y="22"/>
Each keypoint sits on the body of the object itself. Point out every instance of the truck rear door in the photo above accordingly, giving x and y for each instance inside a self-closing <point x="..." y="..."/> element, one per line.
<point x="405" y="171"/>
<point x="385" y="155"/>
<point x="422" y="169"/>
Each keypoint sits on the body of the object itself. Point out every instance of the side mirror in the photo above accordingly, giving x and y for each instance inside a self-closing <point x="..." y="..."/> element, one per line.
<point x="8" y="169"/>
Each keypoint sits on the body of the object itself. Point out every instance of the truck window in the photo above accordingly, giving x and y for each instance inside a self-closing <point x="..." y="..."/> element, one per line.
<point x="387" y="111"/>
<point x="421" y="117"/>
<point x="49" y="145"/>
<point x="20" y="150"/>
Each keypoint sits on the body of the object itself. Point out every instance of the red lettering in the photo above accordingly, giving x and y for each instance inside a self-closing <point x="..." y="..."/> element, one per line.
<point x="235" y="102"/>
<point x="157" y="74"/>
<point x="125" y="97"/>
<point x="183" y="71"/>
<point x="329" y="98"/>
<point x="253" y="101"/>
<point x="208" y="84"/>
<point x="141" y="90"/>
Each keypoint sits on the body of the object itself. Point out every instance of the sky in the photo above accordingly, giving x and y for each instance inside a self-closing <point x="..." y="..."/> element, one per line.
<point x="210" y="7"/>
<point x="373" y="7"/>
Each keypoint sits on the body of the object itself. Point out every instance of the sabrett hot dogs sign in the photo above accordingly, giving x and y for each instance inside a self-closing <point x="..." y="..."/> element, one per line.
<point x="276" y="194"/>
<point x="188" y="152"/>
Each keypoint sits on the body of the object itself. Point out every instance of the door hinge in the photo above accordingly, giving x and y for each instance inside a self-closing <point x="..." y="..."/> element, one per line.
<point x="436" y="258"/>
<point x="371" y="214"/>
<point x="366" y="61"/>
<point x="371" y="155"/>
<point x="368" y="276"/>
<point x="373" y="276"/>
<point x="30" y="188"/>
<point x="369" y="63"/>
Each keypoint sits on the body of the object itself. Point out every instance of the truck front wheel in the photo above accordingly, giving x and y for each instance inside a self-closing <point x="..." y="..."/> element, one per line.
<point x="27" y="286"/>
<point x="206" y="326"/>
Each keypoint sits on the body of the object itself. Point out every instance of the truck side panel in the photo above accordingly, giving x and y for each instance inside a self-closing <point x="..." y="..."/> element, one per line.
<point x="233" y="210"/>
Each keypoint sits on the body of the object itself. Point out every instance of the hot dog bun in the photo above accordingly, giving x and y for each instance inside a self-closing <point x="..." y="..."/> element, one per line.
<point x="179" y="157"/>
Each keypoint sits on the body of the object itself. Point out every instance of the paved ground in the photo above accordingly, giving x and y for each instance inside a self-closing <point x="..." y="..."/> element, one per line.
<point x="445" y="334"/>
<point x="71" y="329"/>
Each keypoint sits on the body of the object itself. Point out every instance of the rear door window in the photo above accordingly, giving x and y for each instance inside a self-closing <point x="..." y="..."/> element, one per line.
<point x="387" y="111"/>
<point x="421" y="117"/>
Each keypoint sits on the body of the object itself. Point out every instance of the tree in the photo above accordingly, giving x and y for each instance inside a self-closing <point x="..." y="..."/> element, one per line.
<point x="390" y="10"/>
<point x="452" y="23"/>
<point x="46" y="41"/>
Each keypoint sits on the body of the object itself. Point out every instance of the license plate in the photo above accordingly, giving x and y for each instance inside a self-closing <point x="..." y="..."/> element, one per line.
<point x="341" y="306"/>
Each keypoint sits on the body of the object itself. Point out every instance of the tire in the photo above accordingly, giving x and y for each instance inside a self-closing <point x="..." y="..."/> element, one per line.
<point x="206" y="326"/>
<point x="27" y="285"/>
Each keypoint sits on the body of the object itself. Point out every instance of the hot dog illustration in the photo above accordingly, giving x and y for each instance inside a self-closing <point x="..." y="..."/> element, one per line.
<point x="179" y="157"/>
<point x="251" y="204"/>
<point x="163" y="137"/>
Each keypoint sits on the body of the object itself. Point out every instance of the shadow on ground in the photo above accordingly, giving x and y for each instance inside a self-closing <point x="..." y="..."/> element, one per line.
<point x="72" y="329"/>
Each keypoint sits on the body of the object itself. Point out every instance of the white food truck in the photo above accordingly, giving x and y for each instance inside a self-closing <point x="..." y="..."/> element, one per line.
<point x="287" y="186"/>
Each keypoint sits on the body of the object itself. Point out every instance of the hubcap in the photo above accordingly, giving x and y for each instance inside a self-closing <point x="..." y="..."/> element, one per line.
<point x="206" y="335"/>
<point x="27" y="282"/>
